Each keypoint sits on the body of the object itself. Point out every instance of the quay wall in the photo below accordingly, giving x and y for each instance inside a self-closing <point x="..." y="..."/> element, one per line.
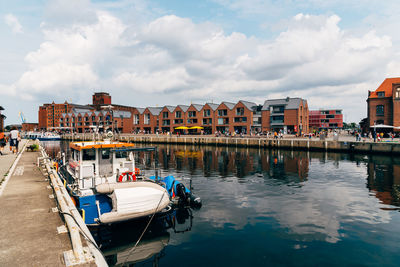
<point x="291" y="144"/>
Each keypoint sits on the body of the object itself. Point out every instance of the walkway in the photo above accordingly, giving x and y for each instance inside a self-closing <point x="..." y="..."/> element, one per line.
<point x="28" y="235"/>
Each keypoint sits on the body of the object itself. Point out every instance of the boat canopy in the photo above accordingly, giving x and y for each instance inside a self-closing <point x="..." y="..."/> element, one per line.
<point x="90" y="145"/>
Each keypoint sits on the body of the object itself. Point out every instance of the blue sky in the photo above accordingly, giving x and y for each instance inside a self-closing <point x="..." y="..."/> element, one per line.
<point x="154" y="53"/>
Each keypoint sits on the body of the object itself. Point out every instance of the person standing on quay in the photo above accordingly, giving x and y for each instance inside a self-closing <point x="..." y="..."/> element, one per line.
<point x="3" y="142"/>
<point x="14" y="139"/>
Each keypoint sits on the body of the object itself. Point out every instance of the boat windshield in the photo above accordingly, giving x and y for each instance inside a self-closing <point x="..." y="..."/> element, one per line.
<point x="89" y="154"/>
<point x="121" y="154"/>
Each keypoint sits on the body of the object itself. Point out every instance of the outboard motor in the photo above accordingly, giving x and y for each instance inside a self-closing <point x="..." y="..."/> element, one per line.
<point x="181" y="193"/>
<point x="186" y="197"/>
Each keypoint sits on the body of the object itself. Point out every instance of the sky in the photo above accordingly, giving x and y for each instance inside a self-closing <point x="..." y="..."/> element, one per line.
<point x="156" y="53"/>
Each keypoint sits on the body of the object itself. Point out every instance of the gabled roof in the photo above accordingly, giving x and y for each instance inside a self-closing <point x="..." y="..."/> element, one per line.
<point x="213" y="106"/>
<point x="386" y="87"/>
<point x="170" y="108"/>
<point x="229" y="104"/>
<point x="155" y="110"/>
<point x="249" y="105"/>
<point x="184" y="107"/>
<point x="289" y="103"/>
<point x="198" y="107"/>
<point x="141" y="110"/>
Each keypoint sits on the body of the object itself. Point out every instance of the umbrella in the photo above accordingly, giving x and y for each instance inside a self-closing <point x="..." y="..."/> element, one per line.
<point x="196" y="127"/>
<point x="181" y="128"/>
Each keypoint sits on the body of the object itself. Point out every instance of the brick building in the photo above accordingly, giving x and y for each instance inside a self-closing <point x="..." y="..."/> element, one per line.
<point x="89" y="120"/>
<point x="325" y="119"/>
<point x="50" y="114"/>
<point x="384" y="105"/>
<point x="241" y="117"/>
<point x="2" y="118"/>
<point x="28" y="127"/>
<point x="289" y="115"/>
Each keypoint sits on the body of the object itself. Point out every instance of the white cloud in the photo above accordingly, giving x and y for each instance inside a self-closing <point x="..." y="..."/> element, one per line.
<point x="13" y="23"/>
<point x="176" y="58"/>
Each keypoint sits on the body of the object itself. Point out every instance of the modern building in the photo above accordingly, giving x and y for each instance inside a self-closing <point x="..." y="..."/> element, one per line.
<point x="289" y="115"/>
<point x="2" y="118"/>
<point x="325" y="119"/>
<point x="384" y="105"/>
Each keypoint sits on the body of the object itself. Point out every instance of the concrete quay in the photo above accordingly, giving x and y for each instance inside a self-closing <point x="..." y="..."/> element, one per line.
<point x="29" y="235"/>
<point x="347" y="144"/>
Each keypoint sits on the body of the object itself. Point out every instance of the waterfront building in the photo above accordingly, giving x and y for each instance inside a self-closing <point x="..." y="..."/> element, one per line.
<point x="289" y="115"/>
<point x="325" y="119"/>
<point x="50" y="114"/>
<point x="242" y="120"/>
<point x="2" y="118"/>
<point x="384" y="105"/>
<point x="151" y="122"/>
<point x="194" y="118"/>
<point x="90" y="120"/>
<point x="227" y="117"/>
<point x="223" y="116"/>
<point x="208" y="117"/>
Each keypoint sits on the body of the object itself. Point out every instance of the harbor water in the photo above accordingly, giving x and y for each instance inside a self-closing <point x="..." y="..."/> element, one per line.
<point x="267" y="207"/>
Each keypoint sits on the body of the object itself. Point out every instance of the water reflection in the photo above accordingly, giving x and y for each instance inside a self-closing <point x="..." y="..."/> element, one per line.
<point x="330" y="207"/>
<point x="122" y="244"/>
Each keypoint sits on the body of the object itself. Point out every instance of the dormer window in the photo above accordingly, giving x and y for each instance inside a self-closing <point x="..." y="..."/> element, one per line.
<point x="381" y="94"/>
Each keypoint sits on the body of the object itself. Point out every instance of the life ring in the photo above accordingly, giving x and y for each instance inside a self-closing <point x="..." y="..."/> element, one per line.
<point x="137" y="171"/>
<point x="129" y="177"/>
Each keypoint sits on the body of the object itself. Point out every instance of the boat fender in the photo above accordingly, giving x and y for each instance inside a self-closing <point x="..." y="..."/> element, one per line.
<point x="129" y="177"/>
<point x="55" y="166"/>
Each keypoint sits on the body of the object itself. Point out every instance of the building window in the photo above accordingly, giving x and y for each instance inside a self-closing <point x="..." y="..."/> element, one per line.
<point x="79" y="118"/>
<point x="380" y="110"/>
<point x="93" y="118"/>
<point x="239" y="111"/>
<point x="397" y="94"/>
<point x="165" y="115"/>
<point x="136" y="119"/>
<point x="178" y="114"/>
<point x="222" y="112"/>
<point x="338" y="112"/>
<point x="146" y="118"/>
<point x="381" y="94"/>
<point x="240" y="119"/>
<point x="206" y="113"/>
<point x="220" y="121"/>
<point x="192" y="114"/>
<point x="277" y="109"/>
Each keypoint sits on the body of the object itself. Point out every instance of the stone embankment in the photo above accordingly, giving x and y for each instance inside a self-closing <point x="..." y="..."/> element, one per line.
<point x="292" y="143"/>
